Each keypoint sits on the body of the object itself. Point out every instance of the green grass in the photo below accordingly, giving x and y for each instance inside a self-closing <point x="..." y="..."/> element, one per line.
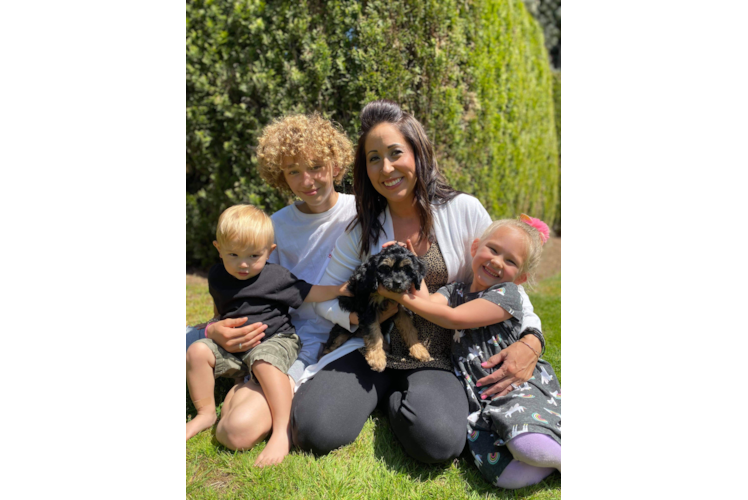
<point x="373" y="466"/>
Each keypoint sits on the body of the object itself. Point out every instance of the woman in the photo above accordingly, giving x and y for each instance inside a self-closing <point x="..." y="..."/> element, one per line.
<point x="401" y="195"/>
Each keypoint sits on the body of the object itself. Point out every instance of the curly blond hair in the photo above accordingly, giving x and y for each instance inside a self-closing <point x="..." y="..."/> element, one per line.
<point x="310" y="135"/>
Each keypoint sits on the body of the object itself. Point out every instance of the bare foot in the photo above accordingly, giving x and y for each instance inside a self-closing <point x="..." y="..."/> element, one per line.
<point x="279" y="445"/>
<point x="201" y="422"/>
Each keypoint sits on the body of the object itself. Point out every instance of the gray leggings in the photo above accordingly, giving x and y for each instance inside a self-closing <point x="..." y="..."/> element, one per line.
<point x="427" y="408"/>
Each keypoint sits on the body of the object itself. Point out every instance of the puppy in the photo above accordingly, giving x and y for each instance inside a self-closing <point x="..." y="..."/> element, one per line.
<point x="396" y="269"/>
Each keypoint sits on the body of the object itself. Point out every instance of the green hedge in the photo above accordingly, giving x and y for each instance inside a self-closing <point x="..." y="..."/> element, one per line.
<point x="475" y="74"/>
<point x="548" y="15"/>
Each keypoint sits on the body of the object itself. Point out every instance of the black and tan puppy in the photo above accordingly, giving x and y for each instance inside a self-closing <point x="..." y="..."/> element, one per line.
<point x="396" y="269"/>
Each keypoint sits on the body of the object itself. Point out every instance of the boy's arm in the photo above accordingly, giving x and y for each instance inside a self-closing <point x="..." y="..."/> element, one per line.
<point x="473" y="314"/>
<point x="323" y="293"/>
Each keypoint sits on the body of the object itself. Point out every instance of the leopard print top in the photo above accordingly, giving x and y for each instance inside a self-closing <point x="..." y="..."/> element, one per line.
<point x="436" y="339"/>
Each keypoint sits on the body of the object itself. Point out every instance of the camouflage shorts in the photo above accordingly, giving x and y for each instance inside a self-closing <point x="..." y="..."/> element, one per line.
<point x="280" y="350"/>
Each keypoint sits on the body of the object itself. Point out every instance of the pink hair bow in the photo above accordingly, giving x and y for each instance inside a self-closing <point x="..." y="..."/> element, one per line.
<point x="538" y="224"/>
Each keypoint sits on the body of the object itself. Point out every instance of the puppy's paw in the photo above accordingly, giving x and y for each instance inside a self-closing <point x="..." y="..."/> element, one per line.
<point x="420" y="353"/>
<point x="377" y="360"/>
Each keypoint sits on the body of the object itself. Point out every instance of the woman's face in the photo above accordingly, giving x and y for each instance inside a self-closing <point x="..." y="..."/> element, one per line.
<point x="312" y="181"/>
<point x="390" y="163"/>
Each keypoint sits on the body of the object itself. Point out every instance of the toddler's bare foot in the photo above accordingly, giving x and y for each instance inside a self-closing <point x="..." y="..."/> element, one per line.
<point x="276" y="450"/>
<point x="201" y="422"/>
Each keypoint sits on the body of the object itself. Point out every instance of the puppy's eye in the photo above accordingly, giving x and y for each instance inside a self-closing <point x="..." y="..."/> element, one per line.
<point x="384" y="269"/>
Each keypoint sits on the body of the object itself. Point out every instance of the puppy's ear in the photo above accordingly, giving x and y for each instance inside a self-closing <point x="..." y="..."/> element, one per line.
<point x="370" y="271"/>
<point x="420" y="267"/>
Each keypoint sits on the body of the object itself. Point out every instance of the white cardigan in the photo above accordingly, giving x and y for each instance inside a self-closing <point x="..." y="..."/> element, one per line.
<point x="456" y="225"/>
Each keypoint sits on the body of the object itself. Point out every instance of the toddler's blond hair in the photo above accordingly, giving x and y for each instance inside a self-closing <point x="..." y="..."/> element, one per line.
<point x="309" y="135"/>
<point x="534" y="245"/>
<point x="245" y="226"/>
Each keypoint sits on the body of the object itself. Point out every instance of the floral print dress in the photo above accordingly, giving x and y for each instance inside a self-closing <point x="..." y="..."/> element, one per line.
<point x="535" y="406"/>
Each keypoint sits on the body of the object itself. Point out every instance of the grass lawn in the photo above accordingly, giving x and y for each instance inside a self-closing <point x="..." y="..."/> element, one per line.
<point x="373" y="466"/>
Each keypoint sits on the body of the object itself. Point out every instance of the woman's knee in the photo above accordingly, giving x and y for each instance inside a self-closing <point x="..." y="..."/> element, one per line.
<point x="431" y="429"/>
<point x="433" y="447"/>
<point x="429" y="438"/>
<point x="318" y="427"/>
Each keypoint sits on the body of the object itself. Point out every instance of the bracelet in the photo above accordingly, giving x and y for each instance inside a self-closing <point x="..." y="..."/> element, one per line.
<point x="528" y="345"/>
<point x="538" y="335"/>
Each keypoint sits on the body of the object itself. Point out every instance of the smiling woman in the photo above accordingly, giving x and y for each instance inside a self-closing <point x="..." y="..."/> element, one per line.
<point x="390" y="164"/>
<point x="401" y="195"/>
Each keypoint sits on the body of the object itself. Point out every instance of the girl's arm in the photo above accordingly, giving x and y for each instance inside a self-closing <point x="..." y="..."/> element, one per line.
<point x="473" y="314"/>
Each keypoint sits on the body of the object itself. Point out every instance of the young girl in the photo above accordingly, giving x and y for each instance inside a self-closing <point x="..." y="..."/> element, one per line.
<point x="515" y="438"/>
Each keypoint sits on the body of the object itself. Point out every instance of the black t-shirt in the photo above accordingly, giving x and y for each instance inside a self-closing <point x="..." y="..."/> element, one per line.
<point x="264" y="298"/>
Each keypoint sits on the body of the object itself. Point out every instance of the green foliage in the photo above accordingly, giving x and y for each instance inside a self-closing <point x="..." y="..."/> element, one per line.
<point x="548" y="15"/>
<point x="475" y="74"/>
<point x="557" y="119"/>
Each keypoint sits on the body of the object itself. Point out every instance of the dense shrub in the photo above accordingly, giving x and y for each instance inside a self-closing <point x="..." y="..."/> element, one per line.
<point x="557" y="120"/>
<point x="548" y="15"/>
<point x="475" y="74"/>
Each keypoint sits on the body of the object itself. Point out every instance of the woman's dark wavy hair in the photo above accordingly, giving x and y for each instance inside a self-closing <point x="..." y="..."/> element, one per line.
<point x="431" y="186"/>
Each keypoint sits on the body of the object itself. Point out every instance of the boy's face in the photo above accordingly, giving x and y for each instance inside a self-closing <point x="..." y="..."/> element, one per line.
<point x="241" y="262"/>
<point x="312" y="181"/>
<point x="498" y="258"/>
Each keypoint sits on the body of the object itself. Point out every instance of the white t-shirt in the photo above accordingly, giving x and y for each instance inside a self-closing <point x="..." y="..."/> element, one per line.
<point x="305" y="244"/>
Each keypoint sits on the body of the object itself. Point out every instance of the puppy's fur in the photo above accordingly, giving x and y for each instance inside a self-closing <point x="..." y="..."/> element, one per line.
<point x="395" y="268"/>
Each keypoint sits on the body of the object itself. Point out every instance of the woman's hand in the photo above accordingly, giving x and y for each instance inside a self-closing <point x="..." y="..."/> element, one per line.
<point x="408" y="244"/>
<point x="389" y="312"/>
<point x="387" y="294"/>
<point x="228" y="334"/>
<point x="344" y="291"/>
<point x="517" y="364"/>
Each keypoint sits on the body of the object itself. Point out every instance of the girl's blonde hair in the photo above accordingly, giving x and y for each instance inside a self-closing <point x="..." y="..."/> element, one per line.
<point x="534" y="245"/>
<point x="245" y="226"/>
<point x="309" y="135"/>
